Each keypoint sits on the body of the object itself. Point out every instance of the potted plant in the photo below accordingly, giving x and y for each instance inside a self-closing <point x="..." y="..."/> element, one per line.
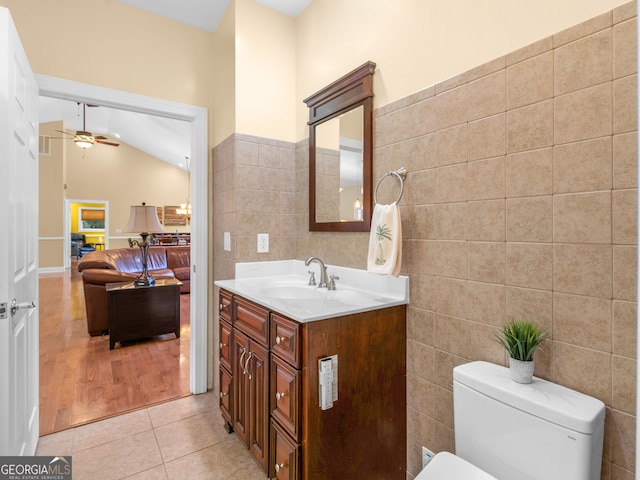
<point x="521" y="338"/>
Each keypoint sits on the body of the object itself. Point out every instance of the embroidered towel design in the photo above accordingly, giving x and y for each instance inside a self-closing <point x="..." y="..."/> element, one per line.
<point x="385" y="240"/>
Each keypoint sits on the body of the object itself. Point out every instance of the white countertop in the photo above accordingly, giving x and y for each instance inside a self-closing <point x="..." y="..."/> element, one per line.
<point x="282" y="286"/>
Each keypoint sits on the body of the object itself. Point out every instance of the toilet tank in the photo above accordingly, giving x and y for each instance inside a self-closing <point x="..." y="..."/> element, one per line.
<point x="536" y="431"/>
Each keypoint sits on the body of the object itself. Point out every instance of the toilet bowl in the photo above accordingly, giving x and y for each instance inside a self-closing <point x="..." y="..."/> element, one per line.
<point x="446" y="466"/>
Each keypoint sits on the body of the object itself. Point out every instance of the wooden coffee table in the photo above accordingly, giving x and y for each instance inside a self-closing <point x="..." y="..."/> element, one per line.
<point x="143" y="312"/>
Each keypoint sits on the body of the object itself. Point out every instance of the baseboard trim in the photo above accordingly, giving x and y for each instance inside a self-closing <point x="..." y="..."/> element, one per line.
<point x="51" y="270"/>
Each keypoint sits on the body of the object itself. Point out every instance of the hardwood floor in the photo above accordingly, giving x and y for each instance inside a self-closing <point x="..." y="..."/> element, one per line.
<point x="81" y="380"/>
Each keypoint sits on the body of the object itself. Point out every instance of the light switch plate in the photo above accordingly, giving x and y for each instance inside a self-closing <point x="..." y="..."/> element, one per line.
<point x="227" y="241"/>
<point x="263" y="243"/>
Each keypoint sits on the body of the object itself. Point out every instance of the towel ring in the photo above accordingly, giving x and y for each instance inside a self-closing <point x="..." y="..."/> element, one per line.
<point x="400" y="174"/>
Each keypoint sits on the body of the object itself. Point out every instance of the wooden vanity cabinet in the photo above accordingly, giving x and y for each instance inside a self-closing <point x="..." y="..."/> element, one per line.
<point x="277" y="414"/>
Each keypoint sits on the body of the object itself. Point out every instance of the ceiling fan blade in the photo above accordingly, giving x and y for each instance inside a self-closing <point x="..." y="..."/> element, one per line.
<point x="66" y="133"/>
<point x="108" y="143"/>
<point x="100" y="137"/>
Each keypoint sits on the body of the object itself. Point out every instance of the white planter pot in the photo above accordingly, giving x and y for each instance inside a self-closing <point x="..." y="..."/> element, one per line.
<point x="521" y="372"/>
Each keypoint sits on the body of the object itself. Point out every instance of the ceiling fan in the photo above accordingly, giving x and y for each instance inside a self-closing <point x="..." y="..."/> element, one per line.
<point x="83" y="138"/>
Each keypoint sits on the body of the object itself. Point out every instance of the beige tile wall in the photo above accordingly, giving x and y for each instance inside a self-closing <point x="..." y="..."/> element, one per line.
<point x="524" y="170"/>
<point x="520" y="203"/>
<point x="254" y="192"/>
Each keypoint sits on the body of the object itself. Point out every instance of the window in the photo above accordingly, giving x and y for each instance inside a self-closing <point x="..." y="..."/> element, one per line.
<point x="91" y="219"/>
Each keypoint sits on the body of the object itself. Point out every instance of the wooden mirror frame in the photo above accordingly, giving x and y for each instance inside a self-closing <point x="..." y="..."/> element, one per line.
<point x="349" y="92"/>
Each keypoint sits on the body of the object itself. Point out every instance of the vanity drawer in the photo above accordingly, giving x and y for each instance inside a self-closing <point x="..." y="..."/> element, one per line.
<point x="224" y="305"/>
<point x="285" y="339"/>
<point x="284" y="390"/>
<point x="252" y="319"/>
<point x="285" y="455"/>
<point x="226" y="392"/>
<point x="225" y="345"/>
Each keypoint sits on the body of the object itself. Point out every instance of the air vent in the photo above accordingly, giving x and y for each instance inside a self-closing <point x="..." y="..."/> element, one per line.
<point x="44" y="145"/>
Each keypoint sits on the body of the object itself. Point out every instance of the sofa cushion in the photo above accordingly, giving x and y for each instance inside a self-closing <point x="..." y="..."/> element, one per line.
<point x="98" y="259"/>
<point x="178" y="257"/>
<point x="156" y="258"/>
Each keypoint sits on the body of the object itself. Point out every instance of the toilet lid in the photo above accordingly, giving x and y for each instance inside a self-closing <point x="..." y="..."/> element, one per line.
<point x="446" y="466"/>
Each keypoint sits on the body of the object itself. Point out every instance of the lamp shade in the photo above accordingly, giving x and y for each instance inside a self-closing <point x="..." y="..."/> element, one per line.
<point x="143" y="218"/>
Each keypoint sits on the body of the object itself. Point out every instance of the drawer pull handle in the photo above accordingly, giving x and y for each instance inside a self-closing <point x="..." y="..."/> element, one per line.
<point x="279" y="340"/>
<point x="246" y="365"/>
<point x="280" y="396"/>
<point x="280" y="466"/>
<point x="244" y="371"/>
<point x="221" y="308"/>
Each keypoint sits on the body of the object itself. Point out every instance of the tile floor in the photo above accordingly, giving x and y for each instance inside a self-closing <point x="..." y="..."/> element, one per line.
<point x="181" y="439"/>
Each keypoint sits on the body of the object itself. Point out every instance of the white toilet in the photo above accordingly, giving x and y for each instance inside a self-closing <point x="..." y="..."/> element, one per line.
<point x="506" y="430"/>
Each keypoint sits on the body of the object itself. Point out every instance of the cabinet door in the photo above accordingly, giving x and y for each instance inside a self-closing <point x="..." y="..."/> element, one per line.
<point x="225" y="306"/>
<point x="225" y="345"/>
<point x="241" y="394"/>
<point x="257" y="372"/>
<point x="285" y="339"/>
<point x="285" y="455"/>
<point x="285" y="396"/>
<point x="226" y="394"/>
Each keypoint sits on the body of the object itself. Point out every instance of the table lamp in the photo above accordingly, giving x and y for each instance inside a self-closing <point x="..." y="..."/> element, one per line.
<point x="144" y="219"/>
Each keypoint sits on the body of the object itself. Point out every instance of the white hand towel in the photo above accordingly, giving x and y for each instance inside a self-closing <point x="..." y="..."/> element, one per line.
<point x="385" y="240"/>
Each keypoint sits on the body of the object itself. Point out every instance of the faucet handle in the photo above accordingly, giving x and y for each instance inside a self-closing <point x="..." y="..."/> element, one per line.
<point x="332" y="282"/>
<point x="312" y="277"/>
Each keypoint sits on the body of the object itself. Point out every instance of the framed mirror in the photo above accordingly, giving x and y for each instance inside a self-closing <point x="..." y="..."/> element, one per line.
<point x="340" y="153"/>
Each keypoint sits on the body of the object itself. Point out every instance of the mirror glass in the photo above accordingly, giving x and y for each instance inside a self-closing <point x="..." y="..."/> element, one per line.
<point x="339" y="173"/>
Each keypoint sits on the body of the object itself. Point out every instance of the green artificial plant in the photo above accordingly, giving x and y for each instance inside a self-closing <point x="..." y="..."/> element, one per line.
<point x="521" y="338"/>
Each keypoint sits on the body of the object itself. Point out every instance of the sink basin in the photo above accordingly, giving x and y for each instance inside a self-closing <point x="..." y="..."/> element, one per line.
<point x="309" y="295"/>
<point x="291" y="292"/>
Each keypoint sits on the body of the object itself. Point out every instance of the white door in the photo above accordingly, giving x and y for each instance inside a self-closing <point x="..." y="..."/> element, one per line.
<point x="19" y="368"/>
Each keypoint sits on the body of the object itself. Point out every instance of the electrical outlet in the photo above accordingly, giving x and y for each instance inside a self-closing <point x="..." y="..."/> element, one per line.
<point x="427" y="455"/>
<point x="263" y="243"/>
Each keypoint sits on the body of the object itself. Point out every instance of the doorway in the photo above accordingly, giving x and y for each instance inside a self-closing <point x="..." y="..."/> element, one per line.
<point x="73" y="217"/>
<point x="197" y="117"/>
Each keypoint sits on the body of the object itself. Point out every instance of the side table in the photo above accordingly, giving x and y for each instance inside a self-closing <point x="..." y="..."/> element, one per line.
<point x="143" y="312"/>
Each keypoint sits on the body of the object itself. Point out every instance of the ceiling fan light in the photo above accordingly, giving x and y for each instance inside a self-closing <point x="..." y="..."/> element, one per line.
<point x="84" y="144"/>
<point x="84" y="141"/>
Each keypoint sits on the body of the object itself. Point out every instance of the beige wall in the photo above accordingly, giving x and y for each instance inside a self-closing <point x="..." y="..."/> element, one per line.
<point x="223" y="88"/>
<point x="51" y="198"/>
<point x="265" y="71"/>
<point x="415" y="43"/>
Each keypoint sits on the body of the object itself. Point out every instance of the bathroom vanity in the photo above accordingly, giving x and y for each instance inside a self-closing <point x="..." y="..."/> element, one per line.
<point x="314" y="383"/>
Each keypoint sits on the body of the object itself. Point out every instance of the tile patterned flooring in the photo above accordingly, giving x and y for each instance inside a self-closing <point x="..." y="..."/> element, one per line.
<point x="181" y="439"/>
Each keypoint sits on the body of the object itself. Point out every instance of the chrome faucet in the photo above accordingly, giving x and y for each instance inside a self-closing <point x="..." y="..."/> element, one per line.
<point x="323" y="270"/>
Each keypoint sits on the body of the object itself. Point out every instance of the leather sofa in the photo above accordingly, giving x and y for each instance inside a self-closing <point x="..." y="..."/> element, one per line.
<point x="124" y="265"/>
